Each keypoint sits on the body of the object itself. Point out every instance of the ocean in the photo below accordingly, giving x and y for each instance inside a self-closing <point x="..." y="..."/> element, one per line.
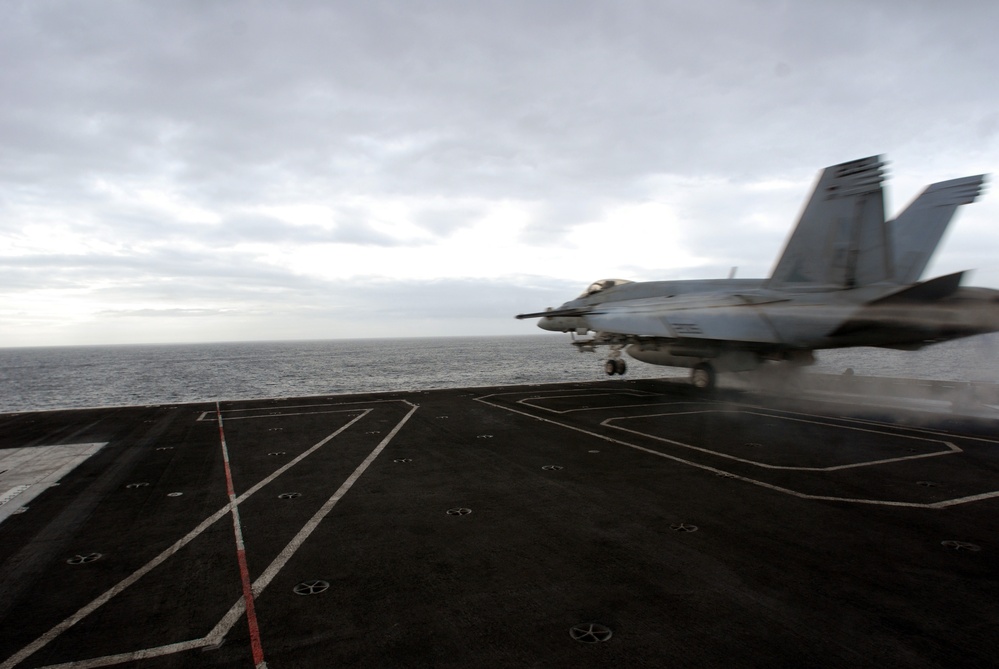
<point x="97" y="376"/>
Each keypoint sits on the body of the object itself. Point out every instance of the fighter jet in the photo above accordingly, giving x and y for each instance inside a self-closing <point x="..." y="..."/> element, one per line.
<point x="847" y="277"/>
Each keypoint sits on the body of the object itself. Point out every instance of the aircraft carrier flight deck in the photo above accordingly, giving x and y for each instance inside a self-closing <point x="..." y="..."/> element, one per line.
<point x="633" y="523"/>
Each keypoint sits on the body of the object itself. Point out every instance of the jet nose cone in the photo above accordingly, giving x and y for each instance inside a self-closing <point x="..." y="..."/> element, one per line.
<point x="548" y="323"/>
<point x="561" y="323"/>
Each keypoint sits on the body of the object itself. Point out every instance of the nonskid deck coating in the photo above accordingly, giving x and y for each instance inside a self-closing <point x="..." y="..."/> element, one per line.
<point x="735" y="530"/>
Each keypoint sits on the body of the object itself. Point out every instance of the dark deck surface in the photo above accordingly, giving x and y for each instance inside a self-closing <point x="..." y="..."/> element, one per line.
<point x="728" y="530"/>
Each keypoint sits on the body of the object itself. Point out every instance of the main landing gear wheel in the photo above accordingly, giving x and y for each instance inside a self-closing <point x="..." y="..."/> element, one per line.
<point x="615" y="366"/>
<point x="703" y="376"/>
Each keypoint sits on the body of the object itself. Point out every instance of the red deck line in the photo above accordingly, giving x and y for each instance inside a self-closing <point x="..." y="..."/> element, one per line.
<point x="244" y="573"/>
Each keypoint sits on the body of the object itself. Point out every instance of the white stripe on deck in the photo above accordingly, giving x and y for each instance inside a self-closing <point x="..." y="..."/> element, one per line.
<point x="217" y="634"/>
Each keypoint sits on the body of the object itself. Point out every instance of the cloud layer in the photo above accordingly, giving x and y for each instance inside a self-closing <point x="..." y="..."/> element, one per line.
<point x="188" y="172"/>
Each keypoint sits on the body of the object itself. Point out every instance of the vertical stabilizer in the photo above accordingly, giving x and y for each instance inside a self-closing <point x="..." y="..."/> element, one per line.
<point x="841" y="240"/>
<point x="918" y="229"/>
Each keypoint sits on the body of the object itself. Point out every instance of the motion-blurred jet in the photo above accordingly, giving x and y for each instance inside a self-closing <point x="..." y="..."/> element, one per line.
<point x="846" y="278"/>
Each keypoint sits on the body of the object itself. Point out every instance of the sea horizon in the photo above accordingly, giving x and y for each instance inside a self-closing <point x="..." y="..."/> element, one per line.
<point x="34" y="378"/>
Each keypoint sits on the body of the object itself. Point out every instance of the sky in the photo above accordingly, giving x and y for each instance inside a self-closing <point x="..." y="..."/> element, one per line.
<point x="192" y="171"/>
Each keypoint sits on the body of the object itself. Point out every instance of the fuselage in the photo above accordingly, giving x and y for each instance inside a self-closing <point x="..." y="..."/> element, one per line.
<point x="744" y="315"/>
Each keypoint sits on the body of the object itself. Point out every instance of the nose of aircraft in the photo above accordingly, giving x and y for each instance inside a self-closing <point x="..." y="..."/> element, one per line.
<point x="561" y="323"/>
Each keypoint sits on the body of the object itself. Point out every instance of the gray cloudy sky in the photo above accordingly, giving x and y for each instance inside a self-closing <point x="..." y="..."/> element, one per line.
<point x="209" y="171"/>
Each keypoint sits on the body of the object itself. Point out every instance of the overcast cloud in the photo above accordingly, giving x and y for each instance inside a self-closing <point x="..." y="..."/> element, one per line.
<point x="192" y="171"/>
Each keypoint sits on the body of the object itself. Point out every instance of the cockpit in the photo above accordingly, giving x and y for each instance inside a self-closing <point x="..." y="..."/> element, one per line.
<point x="603" y="284"/>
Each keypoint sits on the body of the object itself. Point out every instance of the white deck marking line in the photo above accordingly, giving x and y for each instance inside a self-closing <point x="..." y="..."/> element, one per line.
<point x="282" y="559"/>
<point x="43" y="640"/>
<point x="923" y="430"/>
<point x="256" y="647"/>
<point x="46" y="638"/>
<point x="281" y="415"/>
<point x="528" y="401"/>
<point x="108" y="660"/>
<point x="307" y="406"/>
<point x="868" y="421"/>
<point x="923" y="405"/>
<point x="594" y="393"/>
<point x="953" y="448"/>
<point x="603" y="408"/>
<point x="964" y="500"/>
<point x="218" y="633"/>
<point x="540" y="393"/>
<point x="205" y="414"/>
<point x="762" y="484"/>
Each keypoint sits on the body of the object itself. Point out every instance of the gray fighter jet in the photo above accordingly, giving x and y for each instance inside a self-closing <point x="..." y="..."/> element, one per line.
<point x="847" y="277"/>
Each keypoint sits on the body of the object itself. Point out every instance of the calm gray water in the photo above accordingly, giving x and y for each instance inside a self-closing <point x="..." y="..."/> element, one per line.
<point x="90" y="376"/>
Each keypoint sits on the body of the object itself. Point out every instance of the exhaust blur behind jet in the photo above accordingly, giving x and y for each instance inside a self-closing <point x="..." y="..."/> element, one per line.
<point x="847" y="277"/>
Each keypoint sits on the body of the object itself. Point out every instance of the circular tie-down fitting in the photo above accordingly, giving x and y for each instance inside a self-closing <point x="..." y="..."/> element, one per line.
<point x="590" y="633"/>
<point x="403" y="460"/>
<point x="683" y="527"/>
<point x="752" y="444"/>
<point x="553" y="468"/>
<point x="84" y="559"/>
<point x="289" y="495"/>
<point x="313" y="587"/>
<point x="961" y="545"/>
<point x="458" y="511"/>
<point x="484" y="436"/>
<point x="278" y="453"/>
<point x="136" y="485"/>
<point x="165" y="448"/>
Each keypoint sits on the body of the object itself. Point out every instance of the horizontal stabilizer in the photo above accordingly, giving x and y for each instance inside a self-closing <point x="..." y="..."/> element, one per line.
<point x="918" y="229"/>
<point x="896" y="318"/>
<point x="927" y="291"/>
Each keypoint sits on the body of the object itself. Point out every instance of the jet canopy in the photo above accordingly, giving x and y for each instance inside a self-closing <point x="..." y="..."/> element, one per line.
<point x="603" y="284"/>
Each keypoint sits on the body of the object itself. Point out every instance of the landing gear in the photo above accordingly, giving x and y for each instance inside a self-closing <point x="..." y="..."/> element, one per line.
<point x="703" y="376"/>
<point x="615" y="366"/>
